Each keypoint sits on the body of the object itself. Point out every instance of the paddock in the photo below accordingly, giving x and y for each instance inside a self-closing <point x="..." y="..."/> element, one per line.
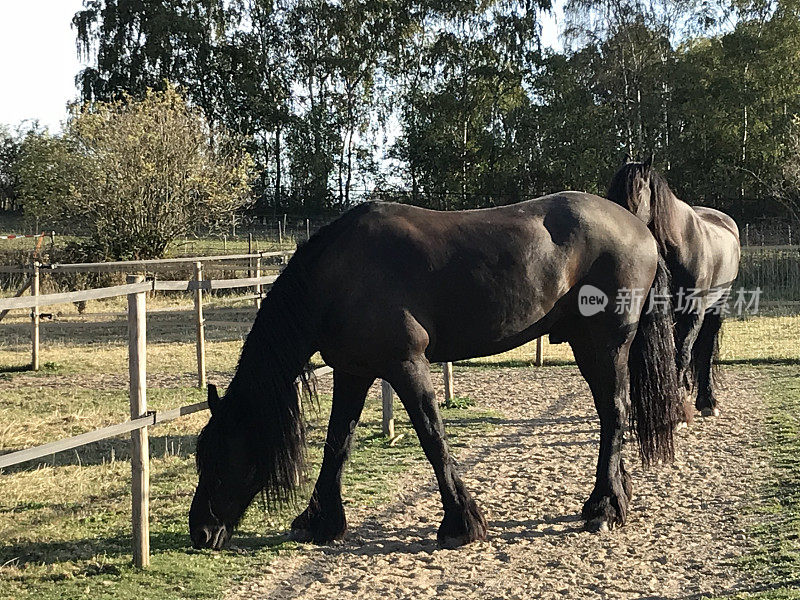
<point x="525" y="434"/>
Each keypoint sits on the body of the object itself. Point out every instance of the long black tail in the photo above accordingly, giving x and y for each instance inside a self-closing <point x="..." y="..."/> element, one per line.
<point x="656" y="402"/>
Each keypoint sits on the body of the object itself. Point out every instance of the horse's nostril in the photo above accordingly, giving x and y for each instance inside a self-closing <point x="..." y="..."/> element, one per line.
<point x="201" y="537"/>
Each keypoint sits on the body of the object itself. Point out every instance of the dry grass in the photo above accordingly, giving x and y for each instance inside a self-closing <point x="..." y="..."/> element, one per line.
<point x="763" y="338"/>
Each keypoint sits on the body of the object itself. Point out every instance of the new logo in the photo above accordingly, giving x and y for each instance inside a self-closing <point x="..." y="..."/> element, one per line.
<point x="591" y="300"/>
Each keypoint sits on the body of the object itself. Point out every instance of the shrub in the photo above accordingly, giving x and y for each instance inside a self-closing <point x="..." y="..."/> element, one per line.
<point x="134" y="175"/>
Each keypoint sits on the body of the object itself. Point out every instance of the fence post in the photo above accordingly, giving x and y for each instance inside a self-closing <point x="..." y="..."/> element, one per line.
<point x="539" y="352"/>
<point x="250" y="261"/>
<point x="280" y="234"/>
<point x="258" y="286"/>
<point x="387" y="423"/>
<point x="140" y="445"/>
<point x="200" y="326"/>
<point x="35" y="318"/>
<point x="447" y="371"/>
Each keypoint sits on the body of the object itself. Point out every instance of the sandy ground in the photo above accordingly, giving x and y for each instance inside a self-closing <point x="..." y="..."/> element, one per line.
<point x="531" y="475"/>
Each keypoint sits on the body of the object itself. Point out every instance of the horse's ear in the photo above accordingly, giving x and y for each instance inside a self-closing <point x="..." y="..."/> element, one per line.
<point x="627" y="158"/>
<point x="648" y="162"/>
<point x="213" y="399"/>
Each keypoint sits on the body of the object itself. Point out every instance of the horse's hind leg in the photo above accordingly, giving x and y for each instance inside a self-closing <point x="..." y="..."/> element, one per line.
<point x="463" y="521"/>
<point x="324" y="519"/>
<point x="703" y="359"/>
<point x="687" y="329"/>
<point x="606" y="371"/>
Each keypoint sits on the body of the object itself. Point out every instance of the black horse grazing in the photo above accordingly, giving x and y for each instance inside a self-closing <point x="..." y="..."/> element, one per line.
<point x="701" y="249"/>
<point x="387" y="289"/>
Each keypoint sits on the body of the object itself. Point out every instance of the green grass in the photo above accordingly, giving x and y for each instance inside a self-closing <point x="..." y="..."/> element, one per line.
<point x="775" y="558"/>
<point x="458" y="402"/>
<point x="65" y="526"/>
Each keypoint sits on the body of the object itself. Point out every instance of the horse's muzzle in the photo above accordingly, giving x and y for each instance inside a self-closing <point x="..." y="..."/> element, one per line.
<point x="210" y="536"/>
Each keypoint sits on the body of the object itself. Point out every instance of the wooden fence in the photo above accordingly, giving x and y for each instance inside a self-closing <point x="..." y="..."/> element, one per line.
<point x="141" y="418"/>
<point x="254" y="265"/>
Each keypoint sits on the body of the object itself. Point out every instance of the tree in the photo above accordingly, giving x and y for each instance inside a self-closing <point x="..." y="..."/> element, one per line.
<point x="9" y="181"/>
<point x="464" y="103"/>
<point x="135" y="175"/>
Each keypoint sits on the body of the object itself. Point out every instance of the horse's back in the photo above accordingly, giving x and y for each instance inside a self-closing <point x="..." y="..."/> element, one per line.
<point x="717" y="218"/>
<point x="548" y="241"/>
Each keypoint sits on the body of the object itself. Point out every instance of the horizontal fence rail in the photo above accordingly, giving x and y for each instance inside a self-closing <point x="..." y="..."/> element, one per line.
<point x="129" y="265"/>
<point x="65" y="297"/>
<point x="15" y="236"/>
<point x="104" y="433"/>
<point x="211" y="284"/>
<point x="132" y="288"/>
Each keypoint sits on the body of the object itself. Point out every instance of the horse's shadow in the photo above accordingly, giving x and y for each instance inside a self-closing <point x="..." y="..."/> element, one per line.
<point x="421" y="539"/>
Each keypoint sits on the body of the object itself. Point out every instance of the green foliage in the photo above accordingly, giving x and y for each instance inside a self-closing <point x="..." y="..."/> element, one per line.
<point x="9" y="181"/>
<point x="134" y="175"/>
<point x="458" y="402"/>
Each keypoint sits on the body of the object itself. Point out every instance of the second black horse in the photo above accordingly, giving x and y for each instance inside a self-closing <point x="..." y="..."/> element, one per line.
<point x="700" y="247"/>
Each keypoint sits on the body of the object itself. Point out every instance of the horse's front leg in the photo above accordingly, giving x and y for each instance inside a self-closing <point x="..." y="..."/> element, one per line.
<point x="463" y="521"/>
<point x="606" y="372"/>
<point x="324" y="519"/>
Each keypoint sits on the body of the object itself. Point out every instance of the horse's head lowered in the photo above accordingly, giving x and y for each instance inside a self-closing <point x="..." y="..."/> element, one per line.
<point x="228" y="477"/>
<point x="630" y="188"/>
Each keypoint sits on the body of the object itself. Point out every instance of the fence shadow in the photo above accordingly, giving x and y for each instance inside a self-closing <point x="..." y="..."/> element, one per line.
<point x="110" y="450"/>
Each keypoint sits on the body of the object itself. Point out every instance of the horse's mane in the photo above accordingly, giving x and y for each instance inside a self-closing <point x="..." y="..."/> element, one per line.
<point x="261" y="401"/>
<point x="663" y="202"/>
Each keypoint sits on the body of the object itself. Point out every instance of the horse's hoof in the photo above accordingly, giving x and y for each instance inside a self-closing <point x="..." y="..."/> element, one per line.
<point x="459" y="528"/>
<point x="710" y="412"/>
<point x="306" y="536"/>
<point x="598" y="526"/>
<point x="681" y="425"/>
<point x="451" y="542"/>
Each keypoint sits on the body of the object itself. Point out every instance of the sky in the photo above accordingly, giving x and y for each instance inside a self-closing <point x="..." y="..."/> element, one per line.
<point x="38" y="59"/>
